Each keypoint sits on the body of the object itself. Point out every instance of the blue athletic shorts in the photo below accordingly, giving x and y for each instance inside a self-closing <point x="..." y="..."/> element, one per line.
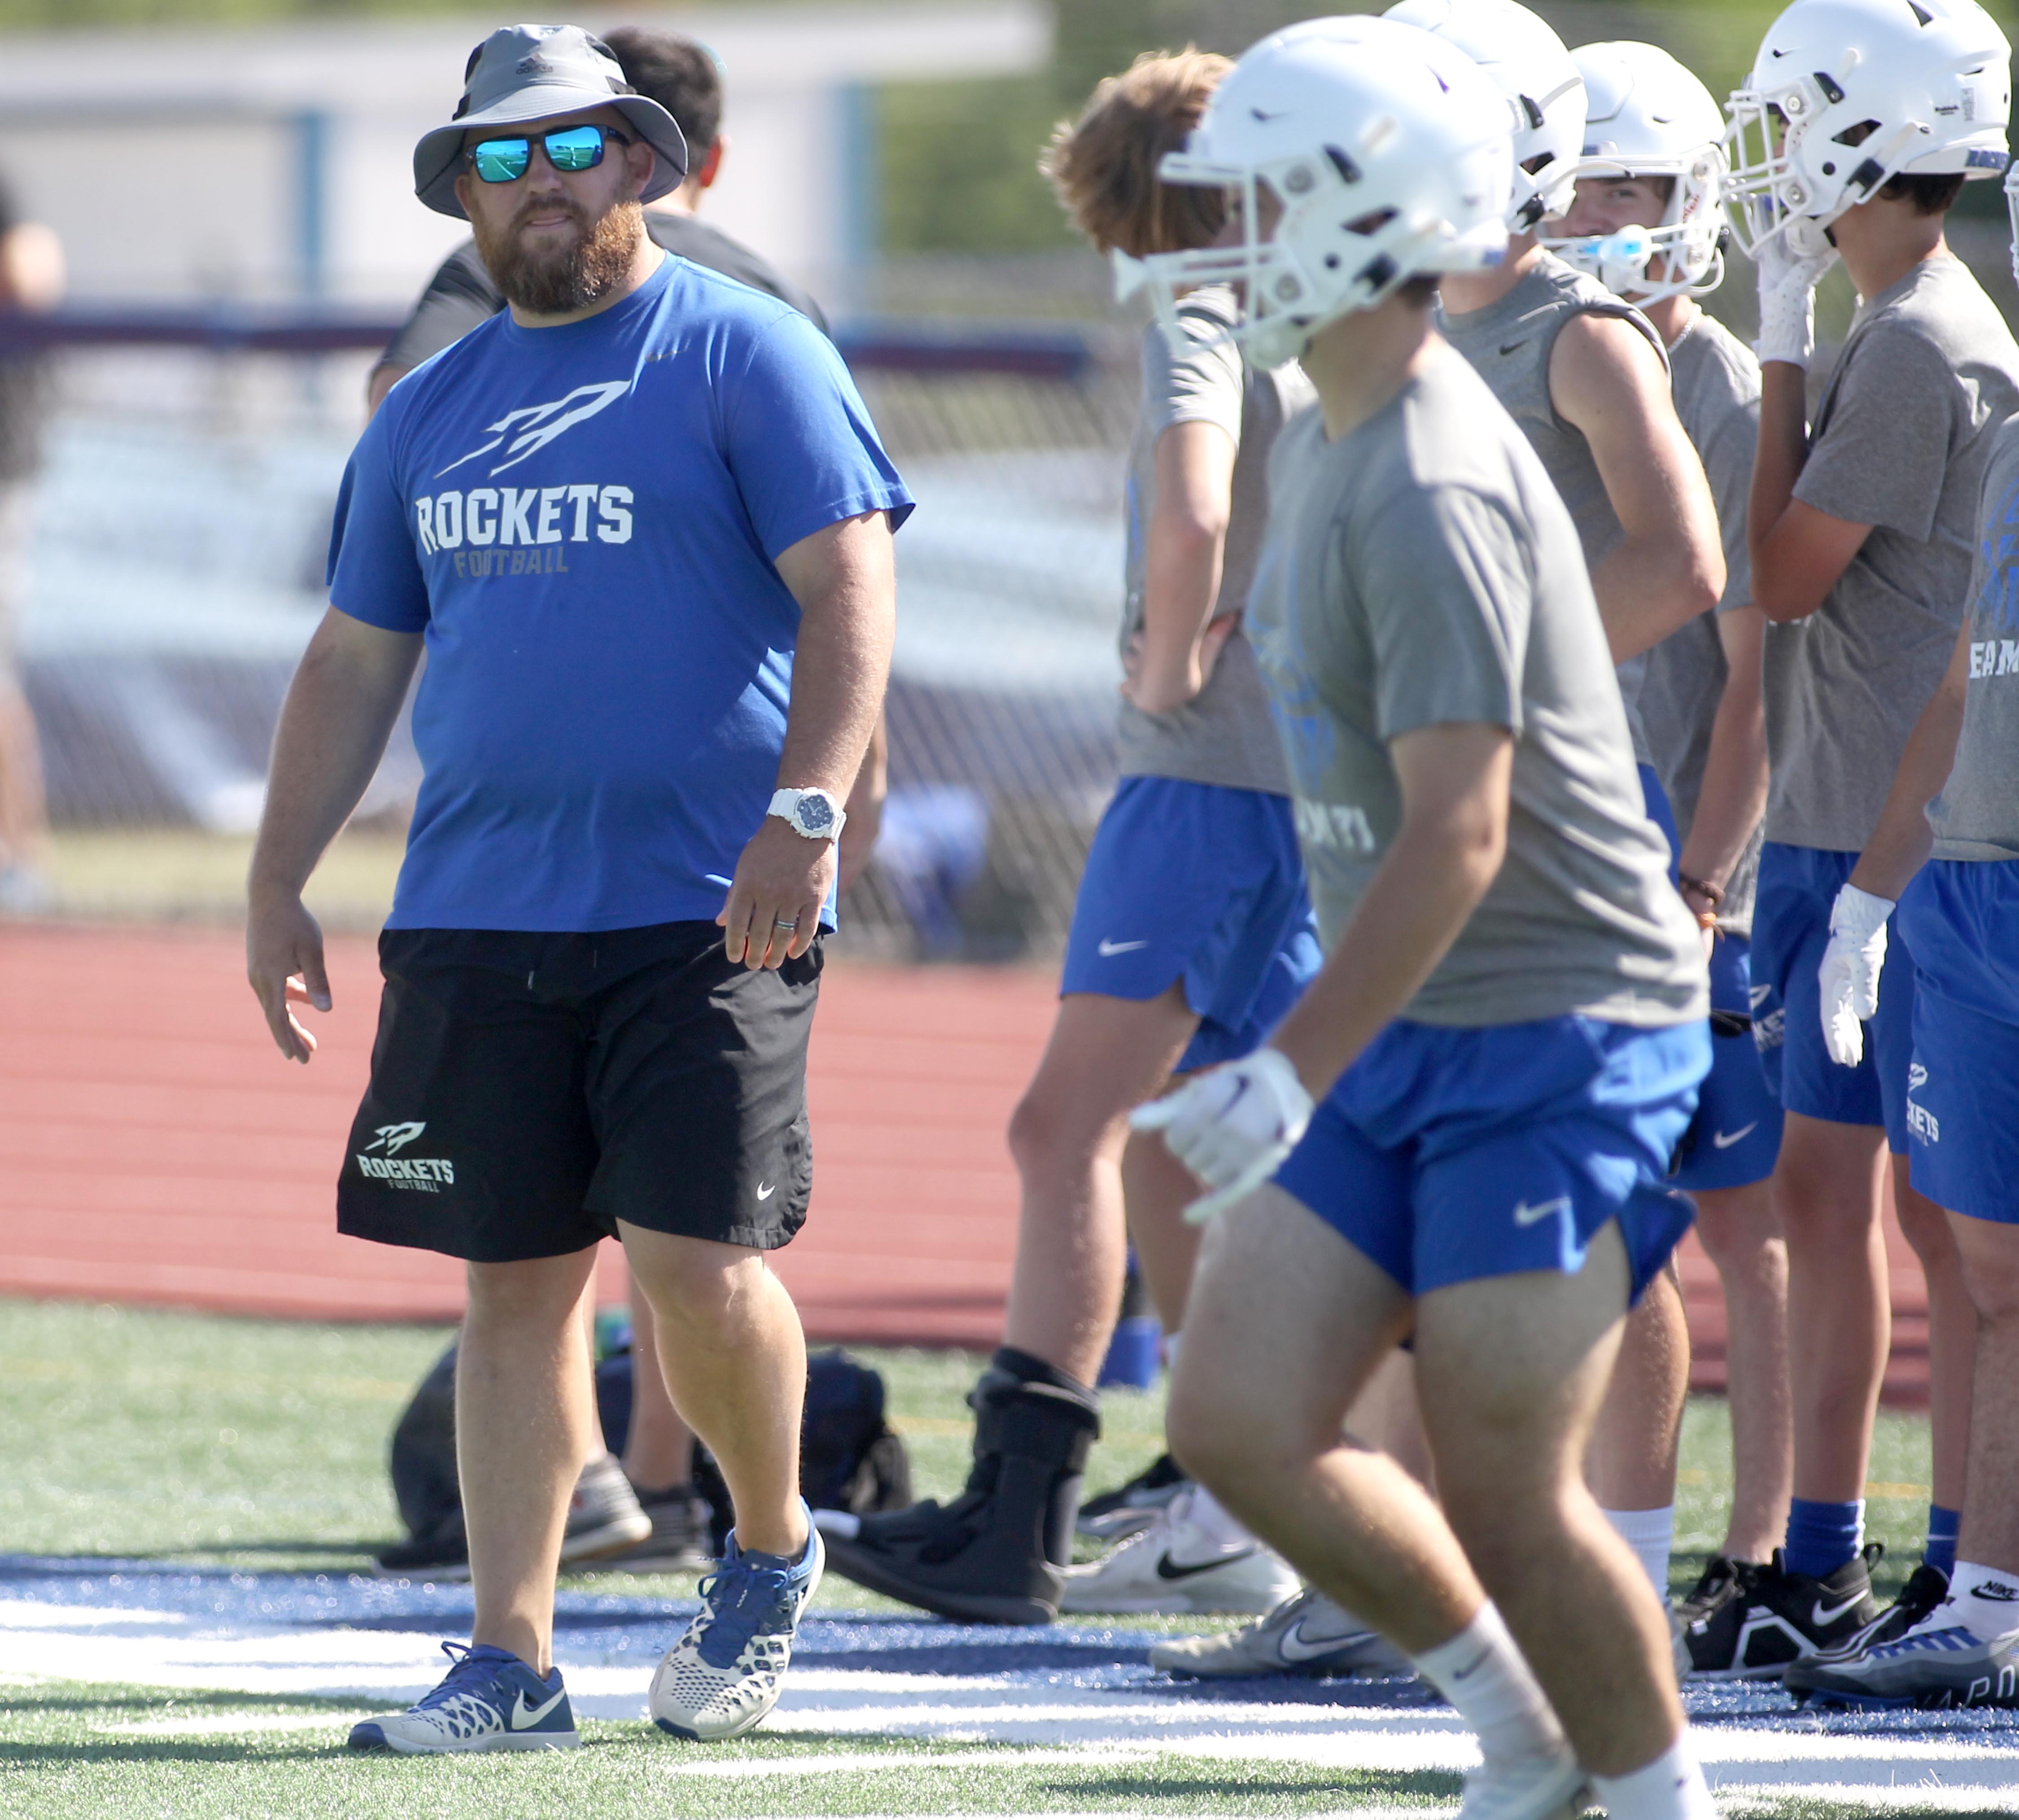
<point x="1203" y="884"/>
<point x="1963" y="1099"/>
<point x="1790" y="930"/>
<point x="1735" y="1137"/>
<point x="1445" y="1156"/>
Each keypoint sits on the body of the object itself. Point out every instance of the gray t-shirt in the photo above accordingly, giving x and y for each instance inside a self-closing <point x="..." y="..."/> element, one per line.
<point x="1927" y="373"/>
<point x="1977" y="815"/>
<point x="1717" y="383"/>
<point x="1510" y="343"/>
<point x="1194" y="375"/>
<point x="1421" y="571"/>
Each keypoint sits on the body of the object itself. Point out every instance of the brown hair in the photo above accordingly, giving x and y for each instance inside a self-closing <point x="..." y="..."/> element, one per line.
<point x="1931" y="192"/>
<point x="1103" y="165"/>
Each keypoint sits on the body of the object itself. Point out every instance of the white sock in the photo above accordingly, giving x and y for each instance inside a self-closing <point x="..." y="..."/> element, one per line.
<point x="1483" y="1673"/>
<point x="1212" y="1519"/>
<point x="1986" y="1599"/>
<point x="1670" y="1788"/>
<point x="1651" y="1536"/>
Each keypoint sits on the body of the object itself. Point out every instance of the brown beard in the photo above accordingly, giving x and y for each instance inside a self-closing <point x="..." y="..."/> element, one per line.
<point x="558" y="281"/>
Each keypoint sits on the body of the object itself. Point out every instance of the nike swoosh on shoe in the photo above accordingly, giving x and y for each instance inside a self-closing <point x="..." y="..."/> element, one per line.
<point x="523" y="1715"/>
<point x="1168" y="1569"/>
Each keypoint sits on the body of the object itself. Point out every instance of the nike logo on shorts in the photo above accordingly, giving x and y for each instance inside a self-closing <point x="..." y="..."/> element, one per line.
<point x="766" y="1190"/>
<point x="1107" y="949"/>
<point x="1524" y="1215"/>
<point x="1725" y="1140"/>
<point x="523" y="1715"/>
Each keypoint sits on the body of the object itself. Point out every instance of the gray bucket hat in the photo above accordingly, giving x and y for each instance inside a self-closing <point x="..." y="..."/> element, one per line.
<point x="524" y="73"/>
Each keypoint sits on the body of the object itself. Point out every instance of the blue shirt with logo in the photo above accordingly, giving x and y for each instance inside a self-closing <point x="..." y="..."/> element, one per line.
<point x="582" y="520"/>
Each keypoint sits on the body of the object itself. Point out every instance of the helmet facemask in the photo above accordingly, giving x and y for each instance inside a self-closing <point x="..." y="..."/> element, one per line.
<point x="1686" y="244"/>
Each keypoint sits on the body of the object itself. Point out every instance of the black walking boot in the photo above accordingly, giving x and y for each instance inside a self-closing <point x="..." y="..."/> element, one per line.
<point x="993" y="1555"/>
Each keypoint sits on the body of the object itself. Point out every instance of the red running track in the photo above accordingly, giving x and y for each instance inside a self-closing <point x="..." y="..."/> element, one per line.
<point x="155" y="1148"/>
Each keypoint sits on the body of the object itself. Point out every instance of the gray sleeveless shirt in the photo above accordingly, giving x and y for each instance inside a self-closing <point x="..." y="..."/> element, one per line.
<point x="1508" y="344"/>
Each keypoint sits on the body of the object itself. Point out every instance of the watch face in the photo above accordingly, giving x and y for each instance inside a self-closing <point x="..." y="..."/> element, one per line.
<point x="816" y="812"/>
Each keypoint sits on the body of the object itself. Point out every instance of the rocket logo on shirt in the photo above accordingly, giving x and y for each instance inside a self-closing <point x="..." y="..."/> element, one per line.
<point x="538" y="425"/>
<point x="496" y="519"/>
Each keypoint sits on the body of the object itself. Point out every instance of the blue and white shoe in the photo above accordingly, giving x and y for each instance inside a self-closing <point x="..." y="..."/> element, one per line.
<point x="725" y="1673"/>
<point x="1938" y="1664"/>
<point x="489" y="1700"/>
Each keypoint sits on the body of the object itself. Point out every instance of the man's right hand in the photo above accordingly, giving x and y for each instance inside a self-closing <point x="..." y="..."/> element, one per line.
<point x="284" y="962"/>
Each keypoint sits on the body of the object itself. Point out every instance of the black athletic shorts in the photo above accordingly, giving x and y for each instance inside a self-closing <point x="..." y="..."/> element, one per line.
<point x="529" y="1090"/>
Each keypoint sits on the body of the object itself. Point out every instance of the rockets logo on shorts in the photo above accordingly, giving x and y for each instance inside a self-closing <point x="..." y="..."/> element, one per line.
<point x="429" y="1174"/>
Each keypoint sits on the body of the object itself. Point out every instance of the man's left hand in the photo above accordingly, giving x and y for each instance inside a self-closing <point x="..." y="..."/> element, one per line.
<point x="772" y="913"/>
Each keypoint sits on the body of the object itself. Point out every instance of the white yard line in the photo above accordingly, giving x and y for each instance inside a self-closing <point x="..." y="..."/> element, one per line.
<point x="1031" y="1718"/>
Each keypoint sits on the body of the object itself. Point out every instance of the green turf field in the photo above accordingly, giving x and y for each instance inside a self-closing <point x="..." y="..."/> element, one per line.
<point x="261" y="1445"/>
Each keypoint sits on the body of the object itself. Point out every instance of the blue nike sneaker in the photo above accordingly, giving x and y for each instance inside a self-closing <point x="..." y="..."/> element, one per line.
<point x="489" y="1700"/>
<point x="726" y="1672"/>
<point x="1938" y="1664"/>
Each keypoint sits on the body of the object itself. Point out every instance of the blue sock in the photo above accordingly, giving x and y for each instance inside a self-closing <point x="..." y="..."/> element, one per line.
<point x="1943" y="1524"/>
<point x="1821" y="1537"/>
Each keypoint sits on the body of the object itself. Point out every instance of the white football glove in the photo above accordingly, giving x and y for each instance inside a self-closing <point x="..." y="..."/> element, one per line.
<point x="1850" y="971"/>
<point x="1231" y="1126"/>
<point x="1787" y="281"/>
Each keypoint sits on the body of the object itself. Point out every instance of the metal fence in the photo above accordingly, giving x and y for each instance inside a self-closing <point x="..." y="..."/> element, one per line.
<point x="175" y="569"/>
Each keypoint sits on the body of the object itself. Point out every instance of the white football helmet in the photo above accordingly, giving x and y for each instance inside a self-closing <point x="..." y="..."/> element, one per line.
<point x="1646" y="116"/>
<point x="1530" y="66"/>
<point x="1865" y="90"/>
<point x="1387" y="151"/>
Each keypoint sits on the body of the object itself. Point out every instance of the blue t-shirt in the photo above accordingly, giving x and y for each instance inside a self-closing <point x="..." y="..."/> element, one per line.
<point x="582" y="520"/>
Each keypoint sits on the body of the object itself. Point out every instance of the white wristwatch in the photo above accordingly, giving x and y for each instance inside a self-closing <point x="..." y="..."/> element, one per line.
<point x="812" y="813"/>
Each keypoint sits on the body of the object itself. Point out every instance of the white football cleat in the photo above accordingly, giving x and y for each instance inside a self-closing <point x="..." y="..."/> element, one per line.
<point x="1176" y="1566"/>
<point x="1307" y="1634"/>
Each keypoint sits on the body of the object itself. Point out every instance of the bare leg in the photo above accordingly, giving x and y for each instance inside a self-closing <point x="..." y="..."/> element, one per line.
<point x="1288" y="1323"/>
<point x="1952" y="1337"/>
<point x="1827" y="1188"/>
<point x="24" y="820"/>
<point x="1631" y="1463"/>
<point x="658" y="1451"/>
<point x="1105" y="1056"/>
<point x="1742" y="1235"/>
<point x="1989" y="1252"/>
<point x="1157" y="1188"/>
<point x="734" y="1362"/>
<point x="1384" y="1416"/>
<point x="1511" y="1371"/>
<point x="523" y="1416"/>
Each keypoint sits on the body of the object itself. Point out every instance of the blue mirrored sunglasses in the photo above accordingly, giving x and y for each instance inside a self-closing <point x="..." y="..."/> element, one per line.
<point x="569" y="148"/>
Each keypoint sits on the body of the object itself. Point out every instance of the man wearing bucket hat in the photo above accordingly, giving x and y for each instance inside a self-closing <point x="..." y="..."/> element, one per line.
<point x="641" y="523"/>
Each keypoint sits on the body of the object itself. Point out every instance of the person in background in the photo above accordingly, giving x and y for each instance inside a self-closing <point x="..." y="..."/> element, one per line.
<point x="1586" y="377"/>
<point x="683" y="79"/>
<point x="31" y="277"/>
<point x="1191" y="935"/>
<point x="1648" y="223"/>
<point x="1861" y="524"/>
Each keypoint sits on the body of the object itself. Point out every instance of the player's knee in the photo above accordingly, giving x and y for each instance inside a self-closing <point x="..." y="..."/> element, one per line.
<point x="1222" y="1436"/>
<point x="697" y="1284"/>
<point x="1991" y="1270"/>
<point x="528" y="1291"/>
<point x="1052" y="1129"/>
